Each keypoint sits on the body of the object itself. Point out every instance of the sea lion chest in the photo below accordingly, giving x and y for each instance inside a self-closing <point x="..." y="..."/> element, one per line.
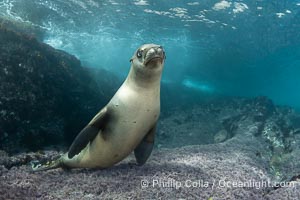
<point x="132" y="114"/>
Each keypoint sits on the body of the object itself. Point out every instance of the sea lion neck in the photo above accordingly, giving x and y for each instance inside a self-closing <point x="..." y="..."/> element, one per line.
<point x="145" y="78"/>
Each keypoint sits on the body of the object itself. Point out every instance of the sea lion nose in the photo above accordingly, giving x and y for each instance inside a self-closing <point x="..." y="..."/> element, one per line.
<point x="155" y="50"/>
<point x="152" y="50"/>
<point x="160" y="50"/>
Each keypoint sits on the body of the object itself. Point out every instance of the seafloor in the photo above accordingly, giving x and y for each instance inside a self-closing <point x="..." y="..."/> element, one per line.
<point x="223" y="148"/>
<point x="240" y="166"/>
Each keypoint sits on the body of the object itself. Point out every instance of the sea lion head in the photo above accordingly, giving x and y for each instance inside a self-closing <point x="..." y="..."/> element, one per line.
<point x="147" y="62"/>
<point x="149" y="55"/>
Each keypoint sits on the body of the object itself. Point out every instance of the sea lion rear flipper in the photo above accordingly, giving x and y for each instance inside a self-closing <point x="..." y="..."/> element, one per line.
<point x="88" y="133"/>
<point x="144" y="149"/>
<point x="46" y="164"/>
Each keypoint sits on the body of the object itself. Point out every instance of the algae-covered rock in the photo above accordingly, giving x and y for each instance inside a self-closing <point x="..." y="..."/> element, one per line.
<point x="221" y="136"/>
<point x="23" y="27"/>
<point x="46" y="96"/>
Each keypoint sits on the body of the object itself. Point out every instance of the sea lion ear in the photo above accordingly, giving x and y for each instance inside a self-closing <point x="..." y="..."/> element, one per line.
<point x="131" y="59"/>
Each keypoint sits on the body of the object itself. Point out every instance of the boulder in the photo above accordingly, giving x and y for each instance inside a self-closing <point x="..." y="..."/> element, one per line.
<point x="46" y="96"/>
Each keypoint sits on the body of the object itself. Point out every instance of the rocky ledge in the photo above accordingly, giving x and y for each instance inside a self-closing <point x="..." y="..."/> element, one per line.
<point x="46" y="96"/>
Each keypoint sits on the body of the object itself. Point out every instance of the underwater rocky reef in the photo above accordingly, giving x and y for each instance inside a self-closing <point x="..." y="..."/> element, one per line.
<point x="201" y="150"/>
<point x="46" y="96"/>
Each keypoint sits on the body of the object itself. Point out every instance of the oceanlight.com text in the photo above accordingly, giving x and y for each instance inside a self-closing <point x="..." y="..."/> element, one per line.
<point x="172" y="183"/>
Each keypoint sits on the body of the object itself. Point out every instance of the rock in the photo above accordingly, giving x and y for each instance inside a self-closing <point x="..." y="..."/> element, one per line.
<point x="237" y="117"/>
<point x="264" y="107"/>
<point x="197" y="124"/>
<point x="22" y="27"/>
<point x="20" y="159"/>
<point x="188" y="172"/>
<point x="4" y="158"/>
<point x="246" y="165"/>
<point x="221" y="136"/>
<point x="46" y="96"/>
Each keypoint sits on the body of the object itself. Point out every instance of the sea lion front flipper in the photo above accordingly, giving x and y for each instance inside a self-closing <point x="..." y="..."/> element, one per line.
<point x="88" y="133"/>
<point x="144" y="149"/>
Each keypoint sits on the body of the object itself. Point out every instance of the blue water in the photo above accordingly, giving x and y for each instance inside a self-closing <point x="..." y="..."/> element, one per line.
<point x="238" y="48"/>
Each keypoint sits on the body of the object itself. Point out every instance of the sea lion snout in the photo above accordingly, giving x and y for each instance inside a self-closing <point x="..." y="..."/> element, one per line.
<point x="154" y="53"/>
<point x="149" y="53"/>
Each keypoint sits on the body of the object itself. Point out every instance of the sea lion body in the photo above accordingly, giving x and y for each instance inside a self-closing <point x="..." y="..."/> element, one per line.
<point x="127" y="123"/>
<point x="133" y="117"/>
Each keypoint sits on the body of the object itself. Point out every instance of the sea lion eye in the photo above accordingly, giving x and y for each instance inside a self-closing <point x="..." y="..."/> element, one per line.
<point x="139" y="53"/>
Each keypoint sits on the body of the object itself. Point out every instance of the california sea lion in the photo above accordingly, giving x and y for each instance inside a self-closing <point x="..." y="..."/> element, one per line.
<point x="127" y="123"/>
